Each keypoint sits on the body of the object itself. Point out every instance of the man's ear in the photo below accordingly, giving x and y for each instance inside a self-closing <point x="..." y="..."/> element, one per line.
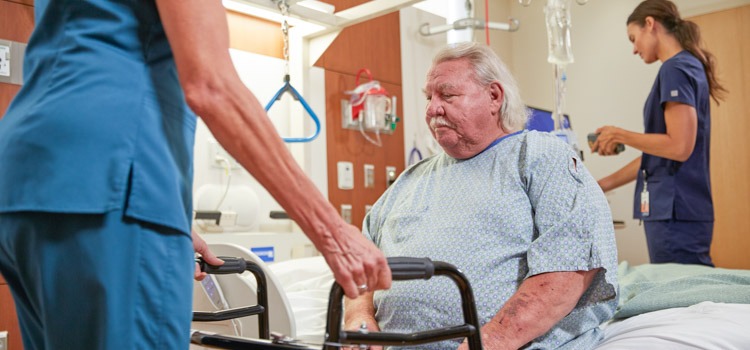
<point x="497" y="94"/>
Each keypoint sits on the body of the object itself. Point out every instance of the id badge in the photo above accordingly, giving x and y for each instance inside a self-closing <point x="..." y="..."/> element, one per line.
<point x="645" y="205"/>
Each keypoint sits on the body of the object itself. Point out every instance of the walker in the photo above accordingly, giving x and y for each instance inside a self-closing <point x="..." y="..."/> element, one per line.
<point x="402" y="268"/>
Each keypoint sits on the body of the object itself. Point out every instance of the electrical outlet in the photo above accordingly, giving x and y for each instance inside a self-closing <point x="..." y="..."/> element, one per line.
<point x="216" y="153"/>
<point x="369" y="176"/>
<point x="4" y="340"/>
<point x="4" y="66"/>
<point x="346" y="213"/>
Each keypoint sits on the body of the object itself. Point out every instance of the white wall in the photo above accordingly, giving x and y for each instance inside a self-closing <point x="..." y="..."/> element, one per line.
<point x="263" y="75"/>
<point x="607" y="85"/>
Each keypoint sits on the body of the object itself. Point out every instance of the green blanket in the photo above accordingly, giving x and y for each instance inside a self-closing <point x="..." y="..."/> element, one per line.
<point x="652" y="287"/>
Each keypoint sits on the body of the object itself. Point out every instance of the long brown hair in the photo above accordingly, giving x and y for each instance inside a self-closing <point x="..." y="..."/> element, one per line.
<point x="687" y="33"/>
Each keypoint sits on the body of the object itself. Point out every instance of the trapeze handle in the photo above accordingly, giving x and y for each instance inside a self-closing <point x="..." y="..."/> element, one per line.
<point x="291" y="90"/>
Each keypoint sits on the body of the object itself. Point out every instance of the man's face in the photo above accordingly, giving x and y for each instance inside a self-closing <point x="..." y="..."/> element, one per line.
<point x="461" y="114"/>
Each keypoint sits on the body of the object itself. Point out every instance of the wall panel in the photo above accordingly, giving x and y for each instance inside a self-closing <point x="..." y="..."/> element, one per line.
<point x="16" y="24"/>
<point x="350" y="146"/>
<point x="376" y="45"/>
<point x="726" y="35"/>
<point x="245" y="30"/>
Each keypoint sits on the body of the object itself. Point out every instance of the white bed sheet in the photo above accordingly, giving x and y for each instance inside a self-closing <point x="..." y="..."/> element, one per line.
<point x="706" y="325"/>
<point x="307" y="283"/>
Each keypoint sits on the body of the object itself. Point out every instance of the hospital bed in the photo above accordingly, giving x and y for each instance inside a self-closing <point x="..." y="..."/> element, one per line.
<point x="402" y="268"/>
<point x="662" y="306"/>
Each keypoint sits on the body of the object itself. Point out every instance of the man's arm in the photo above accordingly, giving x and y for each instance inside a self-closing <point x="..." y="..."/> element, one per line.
<point x="538" y="305"/>
<point x="198" y="34"/>
<point x="358" y="311"/>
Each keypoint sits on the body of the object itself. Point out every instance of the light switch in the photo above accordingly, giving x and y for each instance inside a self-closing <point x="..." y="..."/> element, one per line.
<point x="4" y="60"/>
<point x="369" y="176"/>
<point x="345" y="175"/>
<point x="346" y="213"/>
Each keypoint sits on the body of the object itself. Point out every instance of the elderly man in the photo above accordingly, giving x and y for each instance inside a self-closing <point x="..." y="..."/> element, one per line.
<point x="516" y="211"/>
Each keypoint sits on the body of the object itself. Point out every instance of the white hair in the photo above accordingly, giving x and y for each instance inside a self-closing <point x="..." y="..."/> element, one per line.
<point x="489" y="68"/>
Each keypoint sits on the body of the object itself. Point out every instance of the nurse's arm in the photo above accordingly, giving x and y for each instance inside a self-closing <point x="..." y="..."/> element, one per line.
<point x="538" y="305"/>
<point x="623" y="176"/>
<point x="199" y="37"/>
<point x="676" y="144"/>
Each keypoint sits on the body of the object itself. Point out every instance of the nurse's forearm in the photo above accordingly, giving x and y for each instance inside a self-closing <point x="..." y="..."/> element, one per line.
<point x="238" y="121"/>
<point x="679" y="140"/>
<point x="660" y="145"/>
<point x="623" y="176"/>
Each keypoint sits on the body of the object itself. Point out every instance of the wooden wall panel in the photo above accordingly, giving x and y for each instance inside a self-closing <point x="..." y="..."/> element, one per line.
<point x="726" y="35"/>
<point x="7" y="92"/>
<point x="16" y="24"/>
<point x="376" y="45"/>
<point x="351" y="146"/>
<point x="8" y="321"/>
<point x="16" y="21"/>
<point x="245" y="30"/>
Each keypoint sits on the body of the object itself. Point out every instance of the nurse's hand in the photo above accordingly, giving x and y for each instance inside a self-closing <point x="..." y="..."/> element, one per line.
<point x="357" y="264"/>
<point x="201" y="248"/>
<point x="607" y="140"/>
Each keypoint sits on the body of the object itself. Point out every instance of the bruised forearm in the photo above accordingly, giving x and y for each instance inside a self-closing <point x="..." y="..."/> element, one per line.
<point x="361" y="309"/>
<point x="540" y="303"/>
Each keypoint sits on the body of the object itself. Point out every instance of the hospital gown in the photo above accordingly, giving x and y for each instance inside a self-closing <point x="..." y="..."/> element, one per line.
<point x="524" y="206"/>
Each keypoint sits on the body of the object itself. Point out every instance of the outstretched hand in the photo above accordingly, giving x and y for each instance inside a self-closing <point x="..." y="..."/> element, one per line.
<point x="201" y="248"/>
<point x="357" y="264"/>
<point x="607" y="141"/>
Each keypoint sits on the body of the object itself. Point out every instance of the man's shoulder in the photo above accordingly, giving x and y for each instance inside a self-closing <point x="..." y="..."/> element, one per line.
<point x="543" y="145"/>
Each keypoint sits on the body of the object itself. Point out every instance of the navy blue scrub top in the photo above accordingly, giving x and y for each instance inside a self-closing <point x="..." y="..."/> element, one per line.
<point x="101" y="121"/>
<point x="678" y="190"/>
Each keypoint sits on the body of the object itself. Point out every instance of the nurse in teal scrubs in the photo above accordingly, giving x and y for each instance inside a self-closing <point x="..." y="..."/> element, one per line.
<point x="96" y="158"/>
<point x="673" y="184"/>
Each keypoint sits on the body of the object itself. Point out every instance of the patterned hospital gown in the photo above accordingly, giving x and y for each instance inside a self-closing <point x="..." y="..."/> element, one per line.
<point x="522" y="207"/>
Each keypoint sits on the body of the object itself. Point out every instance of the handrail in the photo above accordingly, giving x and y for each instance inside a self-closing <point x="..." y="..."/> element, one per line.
<point x="287" y="87"/>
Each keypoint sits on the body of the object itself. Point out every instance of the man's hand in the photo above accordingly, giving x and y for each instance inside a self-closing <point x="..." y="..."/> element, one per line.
<point x="201" y="248"/>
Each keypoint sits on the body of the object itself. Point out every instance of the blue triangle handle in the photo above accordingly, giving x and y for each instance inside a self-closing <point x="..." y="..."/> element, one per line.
<point x="291" y="90"/>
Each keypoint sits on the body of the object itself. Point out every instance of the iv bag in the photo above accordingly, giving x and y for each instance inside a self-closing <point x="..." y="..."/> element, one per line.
<point x="557" y="17"/>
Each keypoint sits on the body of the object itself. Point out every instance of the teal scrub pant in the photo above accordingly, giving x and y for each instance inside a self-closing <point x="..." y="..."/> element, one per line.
<point x="97" y="281"/>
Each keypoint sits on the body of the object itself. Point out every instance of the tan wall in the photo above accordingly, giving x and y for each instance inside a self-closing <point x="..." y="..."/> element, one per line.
<point x="726" y="35"/>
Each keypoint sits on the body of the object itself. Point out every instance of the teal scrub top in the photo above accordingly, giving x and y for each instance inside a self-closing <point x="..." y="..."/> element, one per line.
<point x="101" y="122"/>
